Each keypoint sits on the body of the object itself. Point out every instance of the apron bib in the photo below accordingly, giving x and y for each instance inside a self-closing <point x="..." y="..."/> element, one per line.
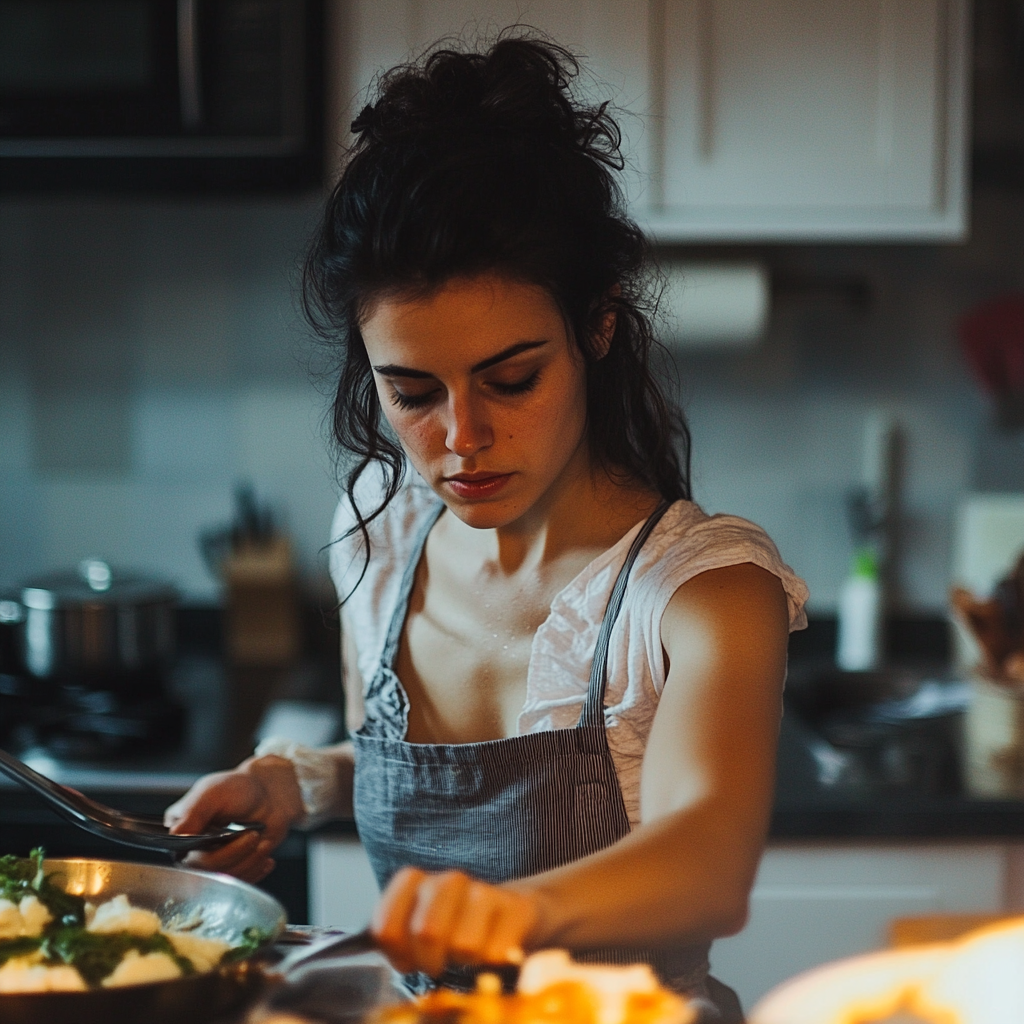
<point x="501" y="809"/>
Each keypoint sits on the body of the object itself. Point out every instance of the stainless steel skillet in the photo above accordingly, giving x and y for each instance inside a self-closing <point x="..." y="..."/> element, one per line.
<point x="216" y="905"/>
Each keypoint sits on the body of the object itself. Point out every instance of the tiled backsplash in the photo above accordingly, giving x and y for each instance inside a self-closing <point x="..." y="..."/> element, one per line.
<point x="151" y="355"/>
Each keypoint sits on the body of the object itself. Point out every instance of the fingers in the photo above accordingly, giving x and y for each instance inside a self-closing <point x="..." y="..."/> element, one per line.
<point x="215" y="798"/>
<point x="390" y="924"/>
<point x="240" y="855"/>
<point x="510" y="925"/>
<point x="258" y="867"/>
<point x="473" y="928"/>
<point x="262" y="789"/>
<point x="426" y="921"/>
<point x="439" y="906"/>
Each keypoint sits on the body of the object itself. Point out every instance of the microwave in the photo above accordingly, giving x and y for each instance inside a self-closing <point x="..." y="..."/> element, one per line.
<point x="161" y="94"/>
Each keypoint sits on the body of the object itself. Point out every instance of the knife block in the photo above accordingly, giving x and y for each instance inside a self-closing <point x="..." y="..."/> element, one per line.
<point x="262" y="627"/>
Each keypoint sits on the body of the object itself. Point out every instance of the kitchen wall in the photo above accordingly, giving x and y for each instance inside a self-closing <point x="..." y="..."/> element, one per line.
<point x="778" y="432"/>
<point x="151" y="355"/>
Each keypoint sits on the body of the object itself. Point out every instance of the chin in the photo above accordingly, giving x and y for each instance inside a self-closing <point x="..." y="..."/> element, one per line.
<point x="487" y="515"/>
<point x="482" y="515"/>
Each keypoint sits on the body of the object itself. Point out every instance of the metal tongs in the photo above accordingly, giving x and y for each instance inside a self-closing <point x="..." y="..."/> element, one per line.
<point x="144" y="831"/>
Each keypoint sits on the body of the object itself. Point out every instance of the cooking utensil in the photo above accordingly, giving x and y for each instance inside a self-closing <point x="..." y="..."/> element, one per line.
<point x="140" y="830"/>
<point x="326" y="943"/>
<point x="331" y="994"/>
<point x="217" y="905"/>
<point x="321" y="943"/>
<point x="95" y="623"/>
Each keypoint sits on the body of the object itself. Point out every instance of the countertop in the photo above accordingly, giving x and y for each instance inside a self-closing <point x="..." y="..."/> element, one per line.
<point x="224" y="708"/>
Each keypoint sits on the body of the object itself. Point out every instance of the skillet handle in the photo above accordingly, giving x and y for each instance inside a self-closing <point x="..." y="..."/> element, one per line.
<point x="340" y="944"/>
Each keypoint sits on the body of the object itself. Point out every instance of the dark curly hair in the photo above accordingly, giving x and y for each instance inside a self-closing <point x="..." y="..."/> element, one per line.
<point x="486" y="162"/>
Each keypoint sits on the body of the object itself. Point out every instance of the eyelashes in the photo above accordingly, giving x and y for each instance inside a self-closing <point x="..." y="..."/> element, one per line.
<point x="410" y="401"/>
<point x="506" y="390"/>
<point x="520" y="387"/>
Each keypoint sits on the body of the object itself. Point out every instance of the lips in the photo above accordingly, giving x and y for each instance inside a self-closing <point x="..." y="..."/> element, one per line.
<point x="477" y="485"/>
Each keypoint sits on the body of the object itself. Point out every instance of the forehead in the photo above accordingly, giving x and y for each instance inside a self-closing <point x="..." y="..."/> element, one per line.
<point x="468" y="318"/>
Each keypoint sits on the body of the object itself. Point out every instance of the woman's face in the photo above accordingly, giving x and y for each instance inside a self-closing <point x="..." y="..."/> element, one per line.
<point x="486" y="392"/>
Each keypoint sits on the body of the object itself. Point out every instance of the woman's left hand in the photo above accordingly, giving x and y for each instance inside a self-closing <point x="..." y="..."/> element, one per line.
<point x="426" y="921"/>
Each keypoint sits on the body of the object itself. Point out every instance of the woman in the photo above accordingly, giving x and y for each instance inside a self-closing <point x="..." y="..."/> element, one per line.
<point x="563" y="679"/>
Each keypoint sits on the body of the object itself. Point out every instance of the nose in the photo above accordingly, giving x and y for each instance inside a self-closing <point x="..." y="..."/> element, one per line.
<point x="468" y="429"/>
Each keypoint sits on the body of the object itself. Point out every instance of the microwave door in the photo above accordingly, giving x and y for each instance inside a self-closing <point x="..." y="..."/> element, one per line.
<point x="89" y="69"/>
<point x="154" y="93"/>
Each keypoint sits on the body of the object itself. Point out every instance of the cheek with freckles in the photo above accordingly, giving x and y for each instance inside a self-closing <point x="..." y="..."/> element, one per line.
<point x="420" y="438"/>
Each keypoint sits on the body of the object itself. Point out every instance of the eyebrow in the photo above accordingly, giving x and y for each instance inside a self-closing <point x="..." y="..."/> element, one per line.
<point x="392" y="370"/>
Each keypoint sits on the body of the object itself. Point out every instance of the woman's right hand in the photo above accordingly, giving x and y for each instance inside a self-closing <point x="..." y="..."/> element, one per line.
<point x="262" y="789"/>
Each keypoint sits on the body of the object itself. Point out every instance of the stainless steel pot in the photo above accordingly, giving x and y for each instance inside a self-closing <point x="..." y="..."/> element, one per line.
<point x="93" y="622"/>
<point x="224" y="906"/>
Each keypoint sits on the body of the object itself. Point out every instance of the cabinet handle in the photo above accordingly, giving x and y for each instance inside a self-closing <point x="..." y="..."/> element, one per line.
<point x="189" y="86"/>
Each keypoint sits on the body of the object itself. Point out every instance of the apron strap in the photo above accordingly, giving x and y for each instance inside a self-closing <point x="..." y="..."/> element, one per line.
<point x="394" y="635"/>
<point x="593" y="708"/>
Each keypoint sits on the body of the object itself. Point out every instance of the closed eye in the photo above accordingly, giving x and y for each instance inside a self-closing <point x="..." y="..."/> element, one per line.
<point x="520" y="387"/>
<point x="411" y="401"/>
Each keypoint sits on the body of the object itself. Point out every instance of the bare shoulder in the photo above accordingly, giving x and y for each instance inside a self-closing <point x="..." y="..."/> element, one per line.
<point x="722" y="609"/>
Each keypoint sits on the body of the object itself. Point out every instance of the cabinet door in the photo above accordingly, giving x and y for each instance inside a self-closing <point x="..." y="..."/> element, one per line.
<point x="342" y="887"/>
<point x="811" y="118"/>
<point x="815" y="904"/>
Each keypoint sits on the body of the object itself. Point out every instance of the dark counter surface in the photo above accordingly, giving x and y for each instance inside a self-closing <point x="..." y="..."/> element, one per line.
<point x="224" y="708"/>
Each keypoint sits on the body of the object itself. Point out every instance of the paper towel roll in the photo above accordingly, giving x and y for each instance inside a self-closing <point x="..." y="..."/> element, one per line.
<point x="715" y="305"/>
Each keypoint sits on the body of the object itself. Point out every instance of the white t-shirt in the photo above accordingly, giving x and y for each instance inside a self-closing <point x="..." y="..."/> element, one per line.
<point x="684" y="543"/>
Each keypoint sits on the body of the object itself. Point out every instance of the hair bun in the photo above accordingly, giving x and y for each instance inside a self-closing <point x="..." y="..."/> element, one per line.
<point x="520" y="86"/>
<point x="364" y="120"/>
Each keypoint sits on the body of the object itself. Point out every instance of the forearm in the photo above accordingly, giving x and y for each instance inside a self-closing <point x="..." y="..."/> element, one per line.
<point x="685" y="877"/>
<point x="324" y="775"/>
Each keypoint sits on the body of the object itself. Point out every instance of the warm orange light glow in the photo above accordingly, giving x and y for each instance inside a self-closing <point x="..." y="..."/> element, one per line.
<point x="978" y="979"/>
<point x="586" y="995"/>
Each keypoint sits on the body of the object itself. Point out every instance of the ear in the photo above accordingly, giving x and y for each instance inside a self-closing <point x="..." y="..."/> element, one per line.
<point x="604" y="334"/>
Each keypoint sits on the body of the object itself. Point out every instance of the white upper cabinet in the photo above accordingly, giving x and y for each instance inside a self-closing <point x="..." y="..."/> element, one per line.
<point x="811" y="119"/>
<point x="750" y="120"/>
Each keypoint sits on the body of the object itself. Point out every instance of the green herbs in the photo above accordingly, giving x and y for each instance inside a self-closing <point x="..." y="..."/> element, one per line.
<point x="64" y="939"/>
<point x="96" y="956"/>
<point x="21" y="874"/>
<point x="22" y="946"/>
<point x="252" y="939"/>
<point x="24" y="876"/>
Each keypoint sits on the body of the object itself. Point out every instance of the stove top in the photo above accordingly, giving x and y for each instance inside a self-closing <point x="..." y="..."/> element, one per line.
<point x="87" y="719"/>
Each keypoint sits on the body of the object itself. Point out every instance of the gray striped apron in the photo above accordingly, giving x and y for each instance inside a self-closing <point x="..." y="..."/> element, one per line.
<point x="505" y="808"/>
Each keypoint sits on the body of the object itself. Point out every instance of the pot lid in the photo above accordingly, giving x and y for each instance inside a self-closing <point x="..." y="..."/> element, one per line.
<point x="93" y="582"/>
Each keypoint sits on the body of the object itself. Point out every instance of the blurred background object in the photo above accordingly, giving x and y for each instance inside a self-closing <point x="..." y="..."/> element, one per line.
<point x="873" y="511"/>
<point x="992" y="336"/>
<point x="715" y="306"/>
<point x="994" y="725"/>
<point x="253" y="559"/>
<point x="187" y="96"/>
<point x="87" y="656"/>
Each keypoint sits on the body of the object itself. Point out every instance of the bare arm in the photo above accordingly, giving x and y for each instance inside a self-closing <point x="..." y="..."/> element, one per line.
<point x="706" y="789"/>
<point x="707" y="780"/>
